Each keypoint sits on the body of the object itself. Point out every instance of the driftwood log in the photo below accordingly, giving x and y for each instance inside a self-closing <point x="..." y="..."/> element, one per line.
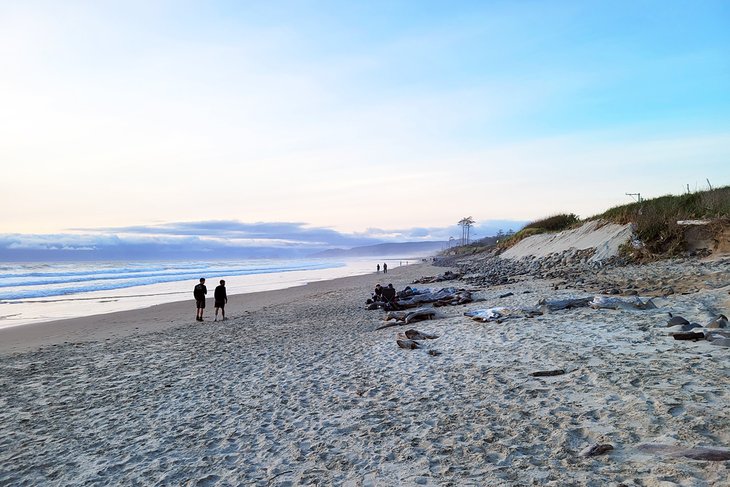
<point x="548" y="373"/>
<point x="408" y="316"/>
<point x="446" y="276"/>
<point x="697" y="453"/>
<point x="417" y="335"/>
<point x="609" y="302"/>
<point x="692" y="335"/>
<point x="595" y="450"/>
<point x="408" y="344"/>
<point x="500" y="313"/>
<point x="558" y="304"/>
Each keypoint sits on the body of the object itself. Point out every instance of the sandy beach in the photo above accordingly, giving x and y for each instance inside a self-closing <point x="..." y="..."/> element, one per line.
<point x="298" y="388"/>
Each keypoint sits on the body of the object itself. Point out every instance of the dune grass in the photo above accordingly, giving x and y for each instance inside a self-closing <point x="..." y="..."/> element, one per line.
<point x="655" y="220"/>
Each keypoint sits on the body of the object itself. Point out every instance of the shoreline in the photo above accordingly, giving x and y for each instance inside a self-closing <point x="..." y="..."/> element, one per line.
<point x="272" y="276"/>
<point x="159" y="317"/>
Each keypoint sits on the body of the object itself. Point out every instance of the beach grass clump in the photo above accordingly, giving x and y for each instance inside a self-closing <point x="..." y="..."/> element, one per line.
<point x="656" y="220"/>
<point x="555" y="223"/>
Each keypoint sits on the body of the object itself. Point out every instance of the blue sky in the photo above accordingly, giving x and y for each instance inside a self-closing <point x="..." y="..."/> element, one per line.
<point x="353" y="116"/>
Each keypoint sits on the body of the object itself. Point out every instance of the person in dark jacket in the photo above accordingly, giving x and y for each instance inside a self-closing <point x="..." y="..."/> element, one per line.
<point x="220" y="300"/>
<point x="389" y="296"/>
<point x="199" y="293"/>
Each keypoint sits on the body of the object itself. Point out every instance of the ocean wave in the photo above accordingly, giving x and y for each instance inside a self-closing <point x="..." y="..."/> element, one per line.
<point x="69" y="282"/>
<point x="11" y="281"/>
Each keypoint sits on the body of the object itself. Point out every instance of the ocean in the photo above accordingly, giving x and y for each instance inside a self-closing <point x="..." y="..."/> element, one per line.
<point x="36" y="292"/>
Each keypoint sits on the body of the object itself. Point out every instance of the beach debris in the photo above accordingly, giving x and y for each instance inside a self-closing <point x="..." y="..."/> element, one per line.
<point x="446" y="276"/>
<point x="448" y="295"/>
<point x="412" y="315"/>
<point x="696" y="453"/>
<point x="558" y="304"/>
<point x="689" y="327"/>
<point x="417" y="335"/>
<point x="490" y="314"/>
<point x="408" y="316"/>
<point x="506" y="295"/>
<point x="719" y="322"/>
<point x="462" y="297"/>
<point x="676" y="320"/>
<point x="548" y="373"/>
<point x="605" y="302"/>
<point x="596" y="449"/>
<point x="409" y="340"/>
<point x="688" y="335"/>
<point x="718" y="338"/>
<point x="408" y="344"/>
<point x="501" y="313"/>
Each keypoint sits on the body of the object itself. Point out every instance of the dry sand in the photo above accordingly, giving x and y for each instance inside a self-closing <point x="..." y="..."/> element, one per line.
<point x="297" y="389"/>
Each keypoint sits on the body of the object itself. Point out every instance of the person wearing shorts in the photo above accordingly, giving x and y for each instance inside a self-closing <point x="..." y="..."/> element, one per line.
<point x="199" y="293"/>
<point x="220" y="300"/>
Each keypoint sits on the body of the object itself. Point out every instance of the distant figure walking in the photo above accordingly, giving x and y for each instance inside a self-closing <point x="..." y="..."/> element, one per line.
<point x="220" y="300"/>
<point x="385" y="268"/>
<point x="378" y="268"/>
<point x="199" y="293"/>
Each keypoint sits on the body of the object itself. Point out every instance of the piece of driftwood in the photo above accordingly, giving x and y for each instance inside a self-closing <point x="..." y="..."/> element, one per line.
<point x="408" y="344"/>
<point x="417" y="335"/>
<point x="411" y="315"/>
<point x="444" y="294"/>
<point x="489" y="314"/>
<point x="419" y="315"/>
<point x="690" y="335"/>
<point x="610" y="302"/>
<point x="500" y="313"/>
<point x="396" y="315"/>
<point x="696" y="453"/>
<point x="446" y="276"/>
<point x="408" y="316"/>
<point x="676" y="320"/>
<point x="719" y="322"/>
<point x="461" y="297"/>
<point x="595" y="450"/>
<point x="558" y="304"/>
<point x="718" y="338"/>
<point x="548" y="373"/>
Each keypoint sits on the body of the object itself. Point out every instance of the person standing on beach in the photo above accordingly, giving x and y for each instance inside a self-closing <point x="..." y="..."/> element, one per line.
<point x="385" y="268"/>
<point x="220" y="300"/>
<point x="377" y="268"/>
<point x="199" y="293"/>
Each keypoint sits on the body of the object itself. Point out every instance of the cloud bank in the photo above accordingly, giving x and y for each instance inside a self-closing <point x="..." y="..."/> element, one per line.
<point x="219" y="239"/>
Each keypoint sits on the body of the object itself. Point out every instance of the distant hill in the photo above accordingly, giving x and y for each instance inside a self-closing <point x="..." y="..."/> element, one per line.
<point x="405" y="249"/>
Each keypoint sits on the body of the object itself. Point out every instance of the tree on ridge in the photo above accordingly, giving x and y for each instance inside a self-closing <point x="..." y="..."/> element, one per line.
<point x="466" y="224"/>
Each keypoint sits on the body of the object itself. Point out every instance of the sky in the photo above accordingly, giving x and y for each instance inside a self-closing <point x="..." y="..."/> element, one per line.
<point x="354" y="122"/>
